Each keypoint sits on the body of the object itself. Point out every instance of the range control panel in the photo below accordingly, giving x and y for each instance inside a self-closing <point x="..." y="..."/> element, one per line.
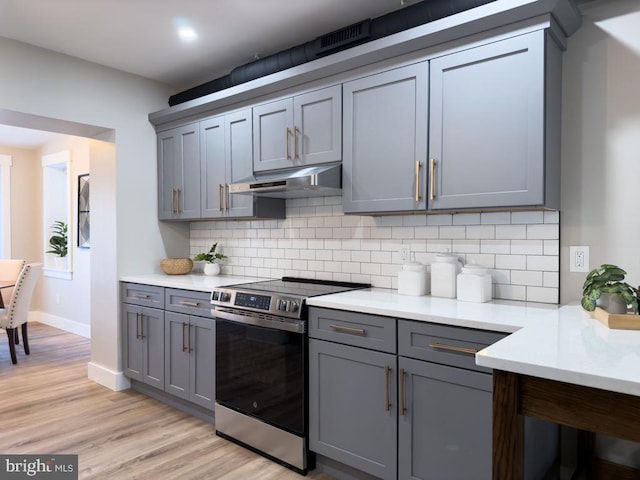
<point x="272" y="303"/>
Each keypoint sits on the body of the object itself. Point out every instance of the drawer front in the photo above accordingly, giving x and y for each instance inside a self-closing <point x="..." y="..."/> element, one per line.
<point x="188" y="301"/>
<point x="145" y="295"/>
<point x="357" y="329"/>
<point x="447" y="345"/>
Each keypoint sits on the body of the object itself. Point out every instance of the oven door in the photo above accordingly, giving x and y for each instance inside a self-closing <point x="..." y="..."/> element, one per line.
<point x="261" y="372"/>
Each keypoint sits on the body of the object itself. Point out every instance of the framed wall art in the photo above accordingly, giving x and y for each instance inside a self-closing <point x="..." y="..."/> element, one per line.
<point x="84" y="225"/>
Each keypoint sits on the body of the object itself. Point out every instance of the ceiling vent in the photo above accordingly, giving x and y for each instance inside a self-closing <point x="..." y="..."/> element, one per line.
<point x="348" y="36"/>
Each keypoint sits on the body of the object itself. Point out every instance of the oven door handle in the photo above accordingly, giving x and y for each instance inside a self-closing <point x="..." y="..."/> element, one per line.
<point x="295" y="326"/>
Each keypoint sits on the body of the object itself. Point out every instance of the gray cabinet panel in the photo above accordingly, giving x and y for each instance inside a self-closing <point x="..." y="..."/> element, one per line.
<point x="385" y="141"/>
<point x="143" y="295"/>
<point x="348" y="420"/>
<point x="445" y="431"/>
<point x="177" y="354"/>
<point x="318" y="126"/>
<point x="487" y="125"/>
<point x="190" y="358"/>
<point x="213" y="166"/>
<point x="272" y="144"/>
<point x="428" y="341"/>
<point x="239" y="163"/>
<point x="143" y="344"/>
<point x="358" y="329"/>
<point x="298" y="131"/>
<point x="202" y="362"/>
<point x="188" y="301"/>
<point x="179" y="173"/>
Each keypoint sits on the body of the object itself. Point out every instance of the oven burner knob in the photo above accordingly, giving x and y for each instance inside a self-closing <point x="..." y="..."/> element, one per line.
<point x="215" y="296"/>
<point x="225" y="297"/>
<point x="293" y="306"/>
<point x="283" y="305"/>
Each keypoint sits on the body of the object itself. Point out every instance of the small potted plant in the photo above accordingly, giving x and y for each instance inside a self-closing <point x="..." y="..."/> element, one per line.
<point x="211" y="267"/>
<point x="58" y="242"/>
<point x="604" y="287"/>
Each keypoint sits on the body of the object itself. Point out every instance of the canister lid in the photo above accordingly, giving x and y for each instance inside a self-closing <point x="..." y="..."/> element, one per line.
<point x="446" y="258"/>
<point x="474" y="269"/>
<point x="414" y="267"/>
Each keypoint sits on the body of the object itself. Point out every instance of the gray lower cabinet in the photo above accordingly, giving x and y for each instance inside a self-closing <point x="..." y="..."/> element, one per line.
<point x="385" y="141"/>
<point x="179" y="173"/>
<point x="143" y="344"/>
<point x="352" y="403"/>
<point x="169" y="341"/>
<point x="415" y="408"/>
<point x="494" y="117"/>
<point x="444" y="422"/>
<point x="190" y="358"/>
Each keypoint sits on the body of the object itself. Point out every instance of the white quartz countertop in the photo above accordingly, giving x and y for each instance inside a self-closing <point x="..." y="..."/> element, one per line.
<point x="194" y="281"/>
<point x="558" y="343"/>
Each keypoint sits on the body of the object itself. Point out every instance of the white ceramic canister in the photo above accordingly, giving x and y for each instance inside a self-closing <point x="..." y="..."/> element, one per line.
<point x="413" y="279"/>
<point x="474" y="284"/>
<point x="444" y="272"/>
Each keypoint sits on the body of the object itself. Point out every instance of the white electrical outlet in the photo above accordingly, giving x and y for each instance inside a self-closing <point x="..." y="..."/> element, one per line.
<point x="579" y="259"/>
<point x="405" y="251"/>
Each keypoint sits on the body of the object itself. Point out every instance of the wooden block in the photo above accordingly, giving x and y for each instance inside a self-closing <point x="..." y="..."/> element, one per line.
<point x="617" y="321"/>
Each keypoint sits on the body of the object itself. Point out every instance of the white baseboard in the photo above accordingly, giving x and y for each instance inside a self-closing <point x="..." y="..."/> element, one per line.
<point x="71" y="326"/>
<point x="115" y="381"/>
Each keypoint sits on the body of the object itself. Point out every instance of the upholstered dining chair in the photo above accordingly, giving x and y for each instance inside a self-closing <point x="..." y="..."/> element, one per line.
<point x="16" y="313"/>
<point x="9" y="271"/>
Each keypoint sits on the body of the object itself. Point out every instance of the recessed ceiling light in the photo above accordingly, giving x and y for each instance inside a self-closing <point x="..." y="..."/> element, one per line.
<point x="186" y="32"/>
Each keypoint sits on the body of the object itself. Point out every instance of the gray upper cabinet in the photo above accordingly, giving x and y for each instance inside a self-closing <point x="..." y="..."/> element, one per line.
<point x="489" y="121"/>
<point x="298" y="131"/>
<point x="179" y="173"/>
<point x="385" y="141"/>
<point x="226" y="158"/>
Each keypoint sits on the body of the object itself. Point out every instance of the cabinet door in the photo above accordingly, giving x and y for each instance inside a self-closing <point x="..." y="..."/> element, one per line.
<point x="445" y="427"/>
<point x="132" y="341"/>
<point x="273" y="135"/>
<point x="213" y="160"/>
<point x="486" y="128"/>
<point x="239" y="160"/>
<point x="153" y="346"/>
<point x="317" y="123"/>
<point x="202" y="357"/>
<point x="179" y="173"/>
<point x="385" y="141"/>
<point x="177" y="354"/>
<point x="349" y="418"/>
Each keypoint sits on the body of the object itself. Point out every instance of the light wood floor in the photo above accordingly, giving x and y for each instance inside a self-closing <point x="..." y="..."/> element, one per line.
<point x="48" y="406"/>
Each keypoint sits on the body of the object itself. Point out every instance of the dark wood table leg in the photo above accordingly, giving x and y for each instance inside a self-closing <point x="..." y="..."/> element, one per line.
<point x="508" y="428"/>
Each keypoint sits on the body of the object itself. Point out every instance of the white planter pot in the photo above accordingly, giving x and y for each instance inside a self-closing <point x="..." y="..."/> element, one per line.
<point x="211" y="269"/>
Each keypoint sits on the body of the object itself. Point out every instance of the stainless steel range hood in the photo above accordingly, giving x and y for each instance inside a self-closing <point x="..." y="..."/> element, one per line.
<point x="324" y="180"/>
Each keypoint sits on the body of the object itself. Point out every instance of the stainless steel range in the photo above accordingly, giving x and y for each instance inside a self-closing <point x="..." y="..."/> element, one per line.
<point x="261" y="365"/>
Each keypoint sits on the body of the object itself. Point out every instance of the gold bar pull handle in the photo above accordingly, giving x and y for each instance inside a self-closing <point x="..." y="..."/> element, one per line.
<point x="432" y="179"/>
<point x="453" y="348"/>
<point x="418" y="166"/>
<point x="141" y="297"/>
<point x="189" y="336"/>
<point x="401" y="399"/>
<point x="173" y="200"/>
<point x="340" y="328"/>
<point x="387" y="403"/>
<point x="189" y="304"/>
<point x="142" y="326"/>
<point x="138" y="325"/>
<point x="226" y="202"/>
<point x="221" y="206"/>
<point x="178" y="210"/>
<point x="286" y="143"/>
<point x="295" y="141"/>
<point x="184" y="348"/>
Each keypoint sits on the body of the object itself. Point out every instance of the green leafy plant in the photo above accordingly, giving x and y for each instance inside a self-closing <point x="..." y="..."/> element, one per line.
<point x="59" y="240"/>
<point x="607" y="279"/>
<point x="211" y="256"/>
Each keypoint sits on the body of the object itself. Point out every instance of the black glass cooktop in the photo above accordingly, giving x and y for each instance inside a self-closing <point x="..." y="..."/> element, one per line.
<point x="303" y="287"/>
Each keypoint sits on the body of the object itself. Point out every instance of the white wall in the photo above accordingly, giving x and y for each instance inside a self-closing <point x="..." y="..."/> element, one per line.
<point x="63" y="89"/>
<point x="601" y="142"/>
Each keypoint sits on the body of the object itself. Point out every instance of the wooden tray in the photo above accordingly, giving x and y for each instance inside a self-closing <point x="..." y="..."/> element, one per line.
<point x="617" y="320"/>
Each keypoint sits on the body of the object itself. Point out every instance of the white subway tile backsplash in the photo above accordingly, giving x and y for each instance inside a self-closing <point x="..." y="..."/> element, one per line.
<point x="317" y="240"/>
